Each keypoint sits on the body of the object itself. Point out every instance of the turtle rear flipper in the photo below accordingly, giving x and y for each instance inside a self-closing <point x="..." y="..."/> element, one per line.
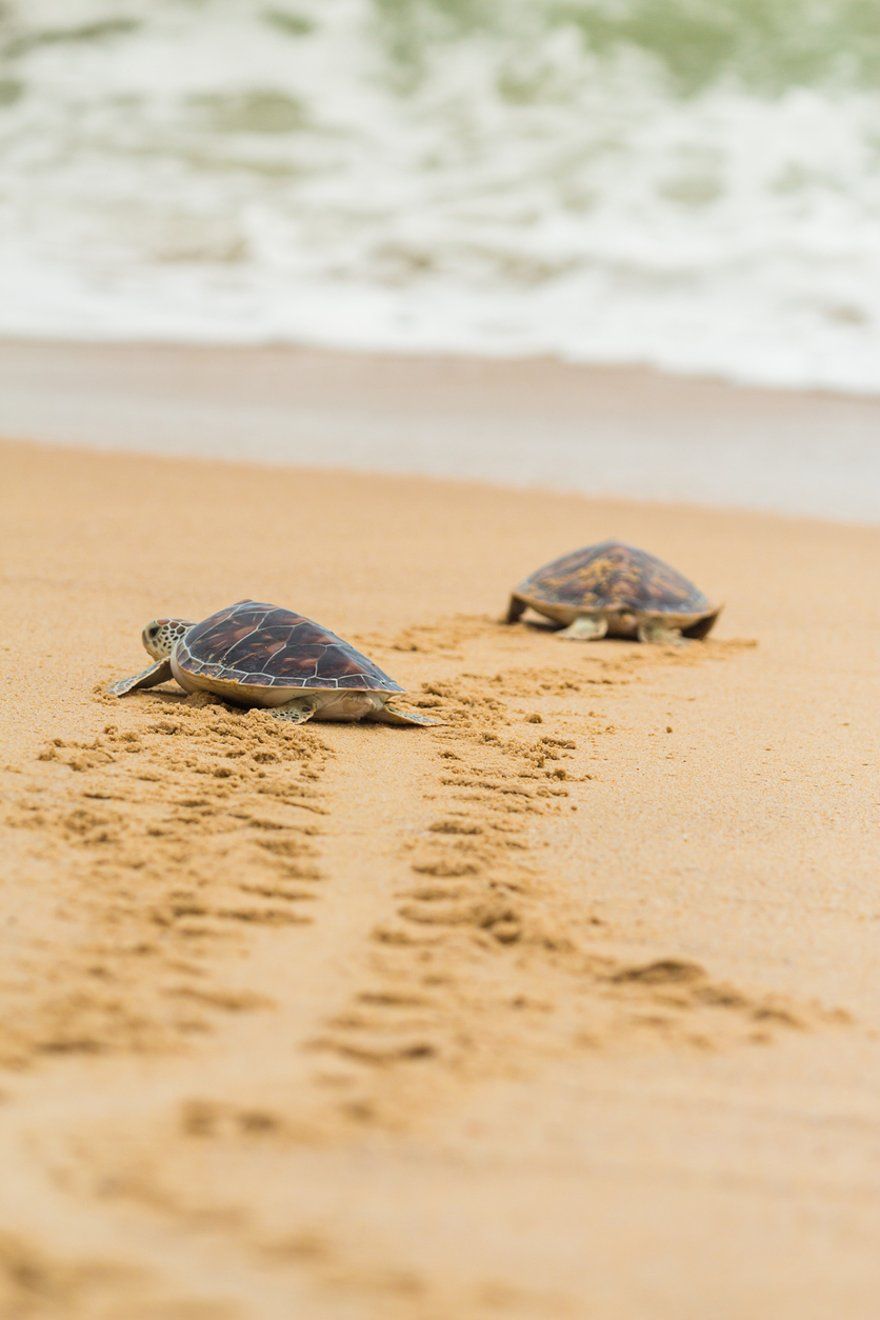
<point x="160" y="672"/>
<point x="295" y="712"/>
<point x="586" y="628"/>
<point x="663" y="634"/>
<point x="389" y="714"/>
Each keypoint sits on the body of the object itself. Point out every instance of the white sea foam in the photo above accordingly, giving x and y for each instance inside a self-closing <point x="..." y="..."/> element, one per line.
<point x="429" y="174"/>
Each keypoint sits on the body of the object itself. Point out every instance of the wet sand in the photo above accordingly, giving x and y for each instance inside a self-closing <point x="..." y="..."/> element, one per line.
<point x="568" y="1007"/>
<point x="617" y="430"/>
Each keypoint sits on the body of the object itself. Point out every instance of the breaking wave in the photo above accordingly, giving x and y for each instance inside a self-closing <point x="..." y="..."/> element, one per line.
<point x="690" y="183"/>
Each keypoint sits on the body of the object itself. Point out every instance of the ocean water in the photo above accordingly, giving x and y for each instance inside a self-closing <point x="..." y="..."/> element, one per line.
<point x="693" y="184"/>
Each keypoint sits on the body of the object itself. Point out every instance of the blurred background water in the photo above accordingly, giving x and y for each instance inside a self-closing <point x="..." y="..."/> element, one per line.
<point x="690" y="183"/>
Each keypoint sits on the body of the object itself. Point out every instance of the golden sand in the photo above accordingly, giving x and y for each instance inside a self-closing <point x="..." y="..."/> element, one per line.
<point x="568" y="1007"/>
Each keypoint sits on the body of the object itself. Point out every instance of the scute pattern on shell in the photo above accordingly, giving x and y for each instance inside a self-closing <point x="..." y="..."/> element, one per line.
<point x="268" y="646"/>
<point x="615" y="576"/>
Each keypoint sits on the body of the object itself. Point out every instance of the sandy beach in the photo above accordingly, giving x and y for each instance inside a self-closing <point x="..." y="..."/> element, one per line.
<point x="566" y="1007"/>
<point x="619" y="431"/>
<point x="558" y="1000"/>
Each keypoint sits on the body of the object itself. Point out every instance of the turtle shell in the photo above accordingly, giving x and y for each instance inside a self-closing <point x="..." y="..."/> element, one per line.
<point x="266" y="646"/>
<point x="615" y="578"/>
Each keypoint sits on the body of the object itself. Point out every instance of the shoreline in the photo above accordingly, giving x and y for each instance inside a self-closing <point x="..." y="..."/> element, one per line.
<point x="623" y="432"/>
<point x="164" y="344"/>
<point x="567" y="1003"/>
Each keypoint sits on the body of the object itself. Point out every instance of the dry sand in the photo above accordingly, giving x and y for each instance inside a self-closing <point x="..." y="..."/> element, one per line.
<point x="568" y="1007"/>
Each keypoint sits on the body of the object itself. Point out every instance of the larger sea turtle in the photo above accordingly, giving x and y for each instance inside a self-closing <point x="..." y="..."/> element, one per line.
<point x="261" y="655"/>
<point x="616" y="590"/>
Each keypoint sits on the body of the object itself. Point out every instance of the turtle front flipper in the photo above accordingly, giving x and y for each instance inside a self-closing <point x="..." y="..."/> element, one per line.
<point x="586" y="628"/>
<point x="662" y="634"/>
<point x="389" y="714"/>
<point x="515" y="610"/>
<point x="160" y="672"/>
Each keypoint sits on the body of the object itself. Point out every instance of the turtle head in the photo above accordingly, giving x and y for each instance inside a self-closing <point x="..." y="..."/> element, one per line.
<point x="162" y="635"/>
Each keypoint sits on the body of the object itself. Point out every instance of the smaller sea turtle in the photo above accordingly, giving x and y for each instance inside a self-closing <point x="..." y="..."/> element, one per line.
<point x="616" y="590"/>
<point x="260" y="655"/>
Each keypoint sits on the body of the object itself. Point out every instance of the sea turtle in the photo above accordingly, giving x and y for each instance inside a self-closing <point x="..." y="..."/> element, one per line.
<point x="261" y="655"/>
<point x="614" y="589"/>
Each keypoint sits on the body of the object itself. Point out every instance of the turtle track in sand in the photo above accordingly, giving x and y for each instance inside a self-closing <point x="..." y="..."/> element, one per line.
<point x="160" y="849"/>
<point x="174" y="860"/>
<point x="192" y="927"/>
<point x="371" y="964"/>
<point x="492" y="959"/>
